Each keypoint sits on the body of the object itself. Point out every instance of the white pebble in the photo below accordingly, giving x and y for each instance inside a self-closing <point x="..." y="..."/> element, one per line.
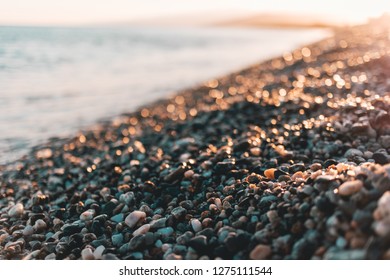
<point x="39" y="225"/>
<point x="188" y="174"/>
<point x="16" y="211"/>
<point x="196" y="225"/>
<point x="134" y="217"/>
<point x="28" y="230"/>
<point x="142" y="230"/>
<point x="86" y="254"/>
<point x="87" y="215"/>
<point x="99" y="252"/>
<point x="218" y="202"/>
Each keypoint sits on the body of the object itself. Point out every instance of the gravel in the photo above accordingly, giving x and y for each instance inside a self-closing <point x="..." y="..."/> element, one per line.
<point x="287" y="159"/>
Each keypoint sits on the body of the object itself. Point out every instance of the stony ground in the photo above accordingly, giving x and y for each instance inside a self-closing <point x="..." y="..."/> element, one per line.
<point x="288" y="159"/>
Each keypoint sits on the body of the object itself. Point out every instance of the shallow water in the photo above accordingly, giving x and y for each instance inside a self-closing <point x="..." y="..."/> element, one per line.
<point x="55" y="81"/>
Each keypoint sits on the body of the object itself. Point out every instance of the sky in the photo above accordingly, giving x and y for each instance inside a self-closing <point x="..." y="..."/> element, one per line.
<point x="78" y="12"/>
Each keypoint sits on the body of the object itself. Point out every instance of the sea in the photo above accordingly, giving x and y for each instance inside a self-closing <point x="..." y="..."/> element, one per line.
<point x="56" y="81"/>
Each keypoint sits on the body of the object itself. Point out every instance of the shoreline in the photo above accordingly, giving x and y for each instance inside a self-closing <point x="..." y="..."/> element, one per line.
<point x="272" y="162"/>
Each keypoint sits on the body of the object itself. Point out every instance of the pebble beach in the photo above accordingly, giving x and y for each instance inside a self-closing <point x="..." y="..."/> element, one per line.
<point x="287" y="159"/>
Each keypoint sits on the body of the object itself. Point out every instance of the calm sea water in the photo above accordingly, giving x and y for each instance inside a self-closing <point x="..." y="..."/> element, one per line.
<point x="56" y="81"/>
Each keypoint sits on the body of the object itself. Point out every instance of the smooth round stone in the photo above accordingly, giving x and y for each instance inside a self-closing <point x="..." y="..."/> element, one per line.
<point x="160" y="223"/>
<point x="196" y="225"/>
<point x="87" y="215"/>
<point x="99" y="252"/>
<point x="270" y="173"/>
<point x="39" y="225"/>
<point x="260" y="252"/>
<point x="315" y="166"/>
<point x="117" y="239"/>
<point x="16" y="211"/>
<point x="188" y="174"/>
<point x="256" y="151"/>
<point x="179" y="212"/>
<point x="134" y="217"/>
<point x="167" y="231"/>
<point x="352" y="153"/>
<point x="350" y="187"/>
<point x="142" y="230"/>
<point x="51" y="256"/>
<point x="87" y="254"/>
<point x="383" y="209"/>
<point x="28" y="230"/>
<point x="118" y="218"/>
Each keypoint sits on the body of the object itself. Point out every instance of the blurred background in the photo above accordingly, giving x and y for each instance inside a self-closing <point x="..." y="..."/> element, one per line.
<point x="64" y="66"/>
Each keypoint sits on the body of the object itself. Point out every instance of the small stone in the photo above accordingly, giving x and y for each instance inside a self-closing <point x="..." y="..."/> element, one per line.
<point x="350" y="187"/>
<point x="256" y="151"/>
<point x="188" y="174"/>
<point x="270" y="173"/>
<point x="165" y="232"/>
<point x="381" y="157"/>
<point x="134" y="217"/>
<point x="87" y="254"/>
<point x="16" y="211"/>
<point x="118" y="218"/>
<point x="260" y="252"/>
<point x="87" y="215"/>
<point x="137" y="242"/>
<point x="179" y="213"/>
<point x="117" y="239"/>
<point x="196" y="225"/>
<point x="384" y="140"/>
<point x="199" y="243"/>
<point x="39" y="225"/>
<point x="160" y="223"/>
<point x="98" y="253"/>
<point x="352" y="153"/>
<point x="51" y="256"/>
<point x="142" y="230"/>
<point x="28" y="230"/>
<point x="315" y="167"/>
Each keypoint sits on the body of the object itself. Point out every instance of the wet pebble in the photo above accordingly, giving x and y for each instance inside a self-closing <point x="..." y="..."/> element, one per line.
<point x="134" y="217"/>
<point x="350" y="187"/>
<point x="260" y="252"/>
<point x="16" y="211"/>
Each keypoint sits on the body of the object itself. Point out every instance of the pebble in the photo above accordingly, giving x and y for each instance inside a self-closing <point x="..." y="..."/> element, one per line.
<point x="165" y="232"/>
<point x="270" y="173"/>
<point x="134" y="217"/>
<point x="28" y="230"/>
<point x="255" y="151"/>
<point x="98" y="253"/>
<point x="179" y="213"/>
<point x="16" y="211"/>
<point x="87" y="215"/>
<point x="196" y="225"/>
<point x="260" y="252"/>
<point x="188" y="174"/>
<point x="350" y="187"/>
<point x="199" y="243"/>
<point x="87" y="254"/>
<point x="118" y="218"/>
<point x="352" y="153"/>
<point x="160" y="223"/>
<point x="117" y="239"/>
<point x="142" y="230"/>
<point x="40" y="225"/>
<point x="137" y="242"/>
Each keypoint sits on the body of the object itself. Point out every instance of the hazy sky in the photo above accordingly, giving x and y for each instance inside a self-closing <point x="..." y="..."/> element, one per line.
<point x="99" y="11"/>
